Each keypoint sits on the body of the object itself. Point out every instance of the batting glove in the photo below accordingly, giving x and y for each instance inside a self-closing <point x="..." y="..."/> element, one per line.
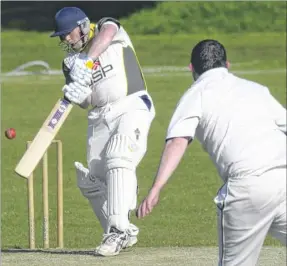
<point x="81" y="71"/>
<point x="76" y="92"/>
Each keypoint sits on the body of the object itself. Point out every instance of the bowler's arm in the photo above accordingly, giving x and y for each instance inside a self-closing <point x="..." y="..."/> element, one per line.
<point x="180" y="133"/>
<point x="172" y="154"/>
<point x="108" y="28"/>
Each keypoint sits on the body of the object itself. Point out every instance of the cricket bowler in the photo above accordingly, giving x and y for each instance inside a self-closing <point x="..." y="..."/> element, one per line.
<point x="103" y="75"/>
<point x="243" y="129"/>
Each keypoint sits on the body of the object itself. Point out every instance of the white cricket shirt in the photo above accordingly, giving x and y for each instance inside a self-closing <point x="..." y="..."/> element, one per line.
<point x="116" y="73"/>
<point x="238" y="122"/>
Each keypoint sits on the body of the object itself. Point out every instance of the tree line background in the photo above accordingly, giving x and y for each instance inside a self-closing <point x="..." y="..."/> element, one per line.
<point x="38" y="15"/>
<point x="151" y="17"/>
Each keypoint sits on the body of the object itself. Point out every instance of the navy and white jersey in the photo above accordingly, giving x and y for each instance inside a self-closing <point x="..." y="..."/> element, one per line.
<point x="116" y="73"/>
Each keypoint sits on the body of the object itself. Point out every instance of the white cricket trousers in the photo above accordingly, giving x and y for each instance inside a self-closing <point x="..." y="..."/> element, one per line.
<point x="131" y="117"/>
<point x="250" y="207"/>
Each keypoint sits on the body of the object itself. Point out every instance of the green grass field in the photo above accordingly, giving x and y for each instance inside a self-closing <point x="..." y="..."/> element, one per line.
<point x="186" y="215"/>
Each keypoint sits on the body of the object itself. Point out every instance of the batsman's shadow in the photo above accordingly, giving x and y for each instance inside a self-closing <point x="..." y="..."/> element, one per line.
<point x="51" y="251"/>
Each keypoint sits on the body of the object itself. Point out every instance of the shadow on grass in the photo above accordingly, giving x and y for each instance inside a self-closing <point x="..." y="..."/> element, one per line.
<point x="57" y="251"/>
<point x="50" y="251"/>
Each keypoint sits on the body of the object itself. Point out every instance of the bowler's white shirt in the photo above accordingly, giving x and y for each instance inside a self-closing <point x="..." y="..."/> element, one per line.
<point x="238" y="122"/>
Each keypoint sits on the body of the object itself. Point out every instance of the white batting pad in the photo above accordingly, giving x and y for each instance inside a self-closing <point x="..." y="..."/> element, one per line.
<point x="121" y="152"/>
<point x="95" y="191"/>
<point x="121" y="180"/>
<point x="121" y="187"/>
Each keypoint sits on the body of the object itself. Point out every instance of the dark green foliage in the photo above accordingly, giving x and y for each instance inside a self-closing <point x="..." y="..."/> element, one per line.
<point x="197" y="17"/>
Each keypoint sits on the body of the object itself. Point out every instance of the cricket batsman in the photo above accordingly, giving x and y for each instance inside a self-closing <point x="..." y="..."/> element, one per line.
<point x="103" y="75"/>
<point x="243" y="129"/>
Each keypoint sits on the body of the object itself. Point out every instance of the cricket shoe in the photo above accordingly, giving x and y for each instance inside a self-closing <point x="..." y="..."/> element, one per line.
<point x="113" y="243"/>
<point x="132" y="232"/>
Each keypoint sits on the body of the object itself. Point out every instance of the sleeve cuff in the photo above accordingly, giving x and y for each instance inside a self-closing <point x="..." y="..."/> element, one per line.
<point x="185" y="128"/>
<point x="108" y="21"/>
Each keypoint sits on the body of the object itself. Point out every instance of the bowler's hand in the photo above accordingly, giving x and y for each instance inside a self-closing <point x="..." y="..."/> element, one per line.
<point x="81" y="71"/>
<point x="148" y="203"/>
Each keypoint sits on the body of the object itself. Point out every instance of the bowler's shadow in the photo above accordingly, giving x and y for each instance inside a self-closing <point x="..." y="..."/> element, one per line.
<point x="55" y="251"/>
<point x="51" y="251"/>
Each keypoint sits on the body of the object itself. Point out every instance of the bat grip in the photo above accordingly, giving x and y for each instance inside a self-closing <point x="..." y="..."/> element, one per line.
<point x="66" y="99"/>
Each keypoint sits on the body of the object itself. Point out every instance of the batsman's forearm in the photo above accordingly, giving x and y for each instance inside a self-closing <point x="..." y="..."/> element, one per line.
<point x="172" y="154"/>
<point x="102" y="41"/>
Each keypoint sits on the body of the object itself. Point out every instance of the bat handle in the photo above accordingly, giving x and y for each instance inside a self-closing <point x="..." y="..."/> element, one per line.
<point x="66" y="99"/>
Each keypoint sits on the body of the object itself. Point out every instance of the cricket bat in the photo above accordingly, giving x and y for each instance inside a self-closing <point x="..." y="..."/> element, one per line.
<point x="44" y="138"/>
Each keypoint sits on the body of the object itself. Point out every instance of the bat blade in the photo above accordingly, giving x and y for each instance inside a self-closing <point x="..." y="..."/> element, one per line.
<point x="44" y="138"/>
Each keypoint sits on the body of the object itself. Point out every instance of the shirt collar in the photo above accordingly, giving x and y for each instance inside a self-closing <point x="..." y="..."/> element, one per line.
<point x="213" y="72"/>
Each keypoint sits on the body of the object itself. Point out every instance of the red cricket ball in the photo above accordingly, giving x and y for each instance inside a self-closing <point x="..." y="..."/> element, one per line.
<point x="10" y="133"/>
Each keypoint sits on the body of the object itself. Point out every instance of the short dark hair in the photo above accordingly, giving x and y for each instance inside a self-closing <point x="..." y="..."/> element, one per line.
<point x="206" y="55"/>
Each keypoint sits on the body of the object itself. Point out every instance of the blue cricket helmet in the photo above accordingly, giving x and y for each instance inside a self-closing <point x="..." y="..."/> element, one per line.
<point x="67" y="19"/>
